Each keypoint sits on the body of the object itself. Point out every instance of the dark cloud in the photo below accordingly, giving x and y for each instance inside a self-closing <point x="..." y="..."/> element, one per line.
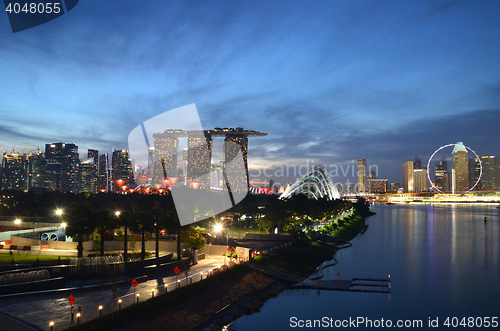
<point x="329" y="81"/>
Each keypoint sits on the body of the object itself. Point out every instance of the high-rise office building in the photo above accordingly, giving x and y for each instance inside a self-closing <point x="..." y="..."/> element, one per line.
<point x="378" y="185"/>
<point x="408" y="182"/>
<point x="489" y="180"/>
<point x="87" y="176"/>
<point x="121" y="169"/>
<point x="94" y="156"/>
<point x="372" y="175"/>
<point x="236" y="171"/>
<point x="61" y="167"/>
<point x="441" y="175"/>
<point x="460" y="169"/>
<point x="103" y="180"/>
<point x="165" y="153"/>
<point x="420" y="181"/>
<point x="216" y="178"/>
<point x="34" y="168"/>
<point x="199" y="159"/>
<point x="417" y="163"/>
<point x="474" y="172"/>
<point x="362" y="179"/>
<point x="151" y="161"/>
<point x="185" y="155"/>
<point x="14" y="175"/>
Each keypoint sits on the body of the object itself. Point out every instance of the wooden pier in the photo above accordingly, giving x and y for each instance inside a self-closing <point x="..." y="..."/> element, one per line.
<point x="353" y="284"/>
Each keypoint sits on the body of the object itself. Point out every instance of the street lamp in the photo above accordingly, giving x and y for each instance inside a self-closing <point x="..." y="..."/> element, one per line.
<point x="59" y="212"/>
<point x="51" y="324"/>
<point x="218" y="228"/>
<point x="117" y="213"/>
<point x="17" y="221"/>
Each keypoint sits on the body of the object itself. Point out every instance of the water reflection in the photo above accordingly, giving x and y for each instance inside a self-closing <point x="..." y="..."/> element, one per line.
<point x="443" y="260"/>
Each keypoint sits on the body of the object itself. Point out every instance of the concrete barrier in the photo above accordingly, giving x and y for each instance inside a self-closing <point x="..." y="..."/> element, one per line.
<point x="38" y="285"/>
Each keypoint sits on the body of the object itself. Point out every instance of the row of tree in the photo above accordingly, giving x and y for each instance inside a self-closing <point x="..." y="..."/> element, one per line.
<point x="86" y="213"/>
<point x="148" y="213"/>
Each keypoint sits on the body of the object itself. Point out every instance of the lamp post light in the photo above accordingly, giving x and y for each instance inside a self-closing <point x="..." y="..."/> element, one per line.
<point x="166" y="288"/>
<point x="51" y="324"/>
<point x="137" y="295"/>
<point x="17" y="221"/>
<point x="78" y="318"/>
<point x="153" y="293"/>
<point x="100" y="311"/>
<point x="119" y="303"/>
<point x="218" y="229"/>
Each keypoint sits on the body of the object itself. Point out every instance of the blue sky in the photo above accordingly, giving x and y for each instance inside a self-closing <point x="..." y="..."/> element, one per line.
<point x="330" y="81"/>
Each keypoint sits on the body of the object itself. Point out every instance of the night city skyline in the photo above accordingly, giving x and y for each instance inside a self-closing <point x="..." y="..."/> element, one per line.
<point x="330" y="83"/>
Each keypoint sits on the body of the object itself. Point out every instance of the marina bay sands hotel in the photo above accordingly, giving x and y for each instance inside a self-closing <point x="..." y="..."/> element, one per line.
<point x="197" y="158"/>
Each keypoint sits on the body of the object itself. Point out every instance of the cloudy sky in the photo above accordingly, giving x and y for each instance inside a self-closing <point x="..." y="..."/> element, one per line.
<point x="329" y="81"/>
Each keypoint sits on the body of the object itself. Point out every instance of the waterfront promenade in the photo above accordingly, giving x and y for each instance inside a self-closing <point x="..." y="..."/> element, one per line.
<point x="38" y="310"/>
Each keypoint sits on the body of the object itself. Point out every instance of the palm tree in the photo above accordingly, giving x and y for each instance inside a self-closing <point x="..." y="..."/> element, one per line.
<point x="80" y="222"/>
<point x="104" y="222"/>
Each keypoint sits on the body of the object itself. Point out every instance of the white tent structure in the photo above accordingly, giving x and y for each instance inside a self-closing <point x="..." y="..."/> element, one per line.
<point x="316" y="183"/>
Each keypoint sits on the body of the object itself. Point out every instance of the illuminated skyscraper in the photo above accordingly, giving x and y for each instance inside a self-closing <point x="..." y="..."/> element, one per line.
<point x="121" y="169"/>
<point x="94" y="155"/>
<point x="378" y="185"/>
<point x="61" y="167"/>
<point x="490" y="178"/>
<point x="151" y="161"/>
<point x="166" y="148"/>
<point x="362" y="180"/>
<point x="441" y="175"/>
<point x="34" y="168"/>
<point x="216" y="178"/>
<point x="408" y="180"/>
<point x="460" y="169"/>
<point x="87" y="176"/>
<point x="14" y="175"/>
<point x="420" y="181"/>
<point x="417" y="163"/>
<point x="103" y="180"/>
<point x="185" y="163"/>
<point x="474" y="171"/>
<point x="199" y="159"/>
<point x="235" y="171"/>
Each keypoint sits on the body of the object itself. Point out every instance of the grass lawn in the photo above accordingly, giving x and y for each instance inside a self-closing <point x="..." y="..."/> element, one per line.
<point x="351" y="228"/>
<point x="6" y="257"/>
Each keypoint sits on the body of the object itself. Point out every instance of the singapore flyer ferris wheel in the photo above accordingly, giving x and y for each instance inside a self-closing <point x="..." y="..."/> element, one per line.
<point x="433" y="185"/>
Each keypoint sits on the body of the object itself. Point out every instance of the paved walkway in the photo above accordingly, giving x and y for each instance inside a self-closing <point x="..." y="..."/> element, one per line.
<point x="41" y="309"/>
